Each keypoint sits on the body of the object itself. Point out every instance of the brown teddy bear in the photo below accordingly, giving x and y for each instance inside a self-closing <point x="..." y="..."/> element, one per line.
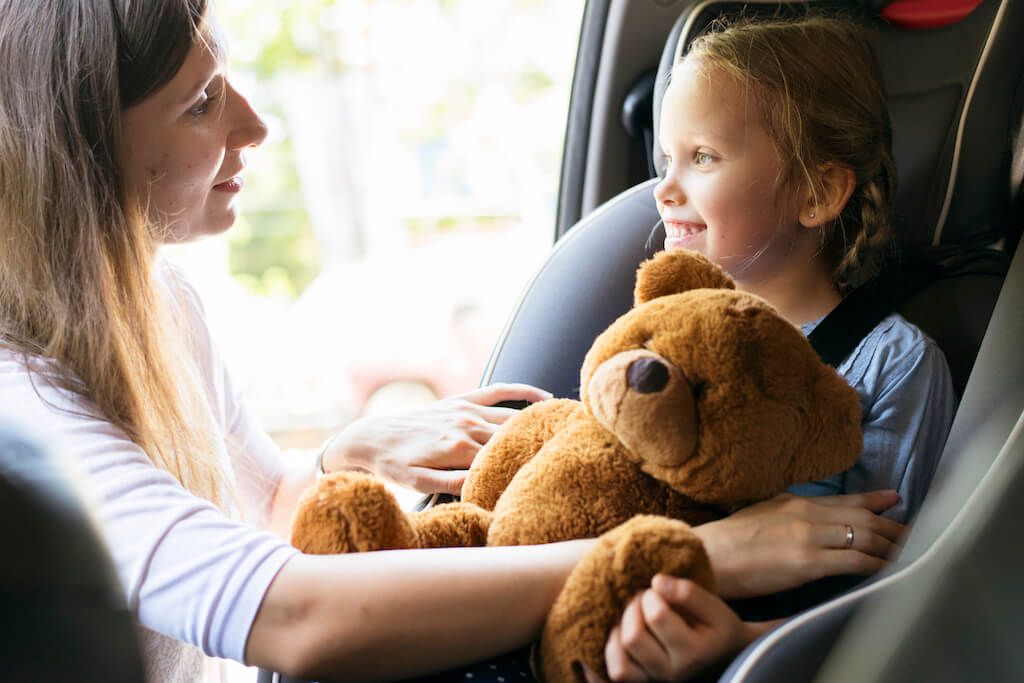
<point x="698" y="401"/>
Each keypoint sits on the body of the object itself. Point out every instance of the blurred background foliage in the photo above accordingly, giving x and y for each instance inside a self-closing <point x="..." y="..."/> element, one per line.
<point x="274" y="250"/>
<point x="406" y="190"/>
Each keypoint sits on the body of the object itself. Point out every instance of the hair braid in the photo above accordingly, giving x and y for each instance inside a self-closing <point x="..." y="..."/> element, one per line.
<point x="864" y="257"/>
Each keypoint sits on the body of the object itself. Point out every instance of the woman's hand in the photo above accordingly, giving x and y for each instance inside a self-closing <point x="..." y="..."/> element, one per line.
<point x="671" y="631"/>
<point x="429" y="449"/>
<point x="789" y="540"/>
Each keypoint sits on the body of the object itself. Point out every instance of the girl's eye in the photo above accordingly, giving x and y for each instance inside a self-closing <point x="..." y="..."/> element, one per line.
<point x="702" y="158"/>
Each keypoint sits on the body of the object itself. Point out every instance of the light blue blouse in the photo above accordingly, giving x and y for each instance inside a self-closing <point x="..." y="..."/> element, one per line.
<point x="907" y="404"/>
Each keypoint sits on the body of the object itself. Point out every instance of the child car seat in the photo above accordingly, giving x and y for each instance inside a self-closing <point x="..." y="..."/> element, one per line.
<point x="956" y="105"/>
<point x="948" y="609"/>
<point x="956" y="109"/>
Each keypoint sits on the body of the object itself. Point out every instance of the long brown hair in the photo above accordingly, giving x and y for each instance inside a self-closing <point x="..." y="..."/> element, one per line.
<point x="76" y="265"/>
<point x="818" y="86"/>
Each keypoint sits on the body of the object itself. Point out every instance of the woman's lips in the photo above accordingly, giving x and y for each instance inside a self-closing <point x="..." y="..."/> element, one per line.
<point x="231" y="185"/>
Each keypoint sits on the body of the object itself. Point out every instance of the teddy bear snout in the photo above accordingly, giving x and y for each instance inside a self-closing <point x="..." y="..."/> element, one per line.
<point x="647" y="403"/>
<point x="647" y="376"/>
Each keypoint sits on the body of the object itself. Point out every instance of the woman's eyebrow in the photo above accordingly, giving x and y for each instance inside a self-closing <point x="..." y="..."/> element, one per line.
<point x="200" y="85"/>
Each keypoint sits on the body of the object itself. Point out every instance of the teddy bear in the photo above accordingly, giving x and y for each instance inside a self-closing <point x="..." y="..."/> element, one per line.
<point x="699" y="400"/>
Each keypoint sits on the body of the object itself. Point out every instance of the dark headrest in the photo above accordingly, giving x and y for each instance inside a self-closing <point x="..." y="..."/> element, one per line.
<point x="951" y="99"/>
<point x="64" y="613"/>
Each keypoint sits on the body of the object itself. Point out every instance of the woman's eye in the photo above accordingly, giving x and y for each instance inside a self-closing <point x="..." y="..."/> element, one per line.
<point x="208" y="97"/>
<point x="200" y="107"/>
<point x="702" y="158"/>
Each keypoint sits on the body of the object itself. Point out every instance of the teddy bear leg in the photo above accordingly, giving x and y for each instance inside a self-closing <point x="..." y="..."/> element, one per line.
<point x="514" y="445"/>
<point x="349" y="512"/>
<point x="452" y="525"/>
<point x="621" y="564"/>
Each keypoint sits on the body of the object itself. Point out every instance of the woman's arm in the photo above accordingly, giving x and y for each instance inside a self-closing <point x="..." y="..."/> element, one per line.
<point x="391" y="614"/>
<point x="790" y="540"/>
<point x="429" y="449"/>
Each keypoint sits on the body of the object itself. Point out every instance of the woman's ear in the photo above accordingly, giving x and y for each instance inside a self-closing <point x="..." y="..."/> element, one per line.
<point x="836" y="185"/>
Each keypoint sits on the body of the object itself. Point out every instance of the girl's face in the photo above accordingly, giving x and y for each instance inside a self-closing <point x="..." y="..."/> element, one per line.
<point x="183" y="146"/>
<point x="721" y="194"/>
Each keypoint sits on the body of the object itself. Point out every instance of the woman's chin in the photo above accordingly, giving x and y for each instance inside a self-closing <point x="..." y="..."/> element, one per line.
<point x="183" y="234"/>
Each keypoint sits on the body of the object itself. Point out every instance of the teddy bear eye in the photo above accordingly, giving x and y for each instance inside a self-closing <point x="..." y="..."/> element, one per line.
<point x="700" y="390"/>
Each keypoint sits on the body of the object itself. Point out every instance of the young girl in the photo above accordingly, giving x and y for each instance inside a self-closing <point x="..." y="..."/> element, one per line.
<point x="120" y="131"/>
<point x="777" y="142"/>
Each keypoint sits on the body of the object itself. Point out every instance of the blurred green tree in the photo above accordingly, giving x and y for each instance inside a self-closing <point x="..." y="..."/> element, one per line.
<point x="272" y="250"/>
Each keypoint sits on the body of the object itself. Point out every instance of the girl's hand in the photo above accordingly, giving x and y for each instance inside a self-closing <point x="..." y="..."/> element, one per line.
<point x="789" y="540"/>
<point x="428" y="449"/>
<point x="671" y="631"/>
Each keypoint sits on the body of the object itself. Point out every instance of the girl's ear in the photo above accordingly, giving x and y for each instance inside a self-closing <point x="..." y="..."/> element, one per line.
<point x="837" y="184"/>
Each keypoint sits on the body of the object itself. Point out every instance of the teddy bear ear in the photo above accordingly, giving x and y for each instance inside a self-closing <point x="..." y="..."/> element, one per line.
<point x="672" y="272"/>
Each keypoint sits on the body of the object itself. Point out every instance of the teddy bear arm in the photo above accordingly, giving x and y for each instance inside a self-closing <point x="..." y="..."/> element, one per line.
<point x="519" y="439"/>
<point x="451" y="525"/>
<point x="348" y="512"/>
<point x="621" y="564"/>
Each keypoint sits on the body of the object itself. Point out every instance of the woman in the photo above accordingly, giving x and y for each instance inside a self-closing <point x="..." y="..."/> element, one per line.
<point x="119" y="132"/>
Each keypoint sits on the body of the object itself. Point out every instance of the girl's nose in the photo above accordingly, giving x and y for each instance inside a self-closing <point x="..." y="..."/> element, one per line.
<point x="668" y="191"/>
<point x="249" y="129"/>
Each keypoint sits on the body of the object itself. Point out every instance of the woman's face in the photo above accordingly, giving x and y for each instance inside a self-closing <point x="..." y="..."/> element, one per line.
<point x="183" y="145"/>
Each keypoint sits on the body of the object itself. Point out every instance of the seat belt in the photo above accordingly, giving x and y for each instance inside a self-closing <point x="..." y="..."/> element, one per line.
<point x="839" y="333"/>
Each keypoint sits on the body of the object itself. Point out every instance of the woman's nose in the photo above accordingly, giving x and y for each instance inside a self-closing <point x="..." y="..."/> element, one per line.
<point x="249" y="129"/>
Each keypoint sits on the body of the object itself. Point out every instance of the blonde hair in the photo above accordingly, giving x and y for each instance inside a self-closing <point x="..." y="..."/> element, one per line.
<point x="818" y="88"/>
<point x="76" y="268"/>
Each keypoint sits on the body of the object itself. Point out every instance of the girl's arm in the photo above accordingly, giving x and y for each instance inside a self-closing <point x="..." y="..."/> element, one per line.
<point x="673" y="630"/>
<point x="393" y="614"/>
<point x="676" y="628"/>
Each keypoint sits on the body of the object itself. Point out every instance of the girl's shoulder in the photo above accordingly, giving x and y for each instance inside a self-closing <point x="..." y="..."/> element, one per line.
<point x="895" y="349"/>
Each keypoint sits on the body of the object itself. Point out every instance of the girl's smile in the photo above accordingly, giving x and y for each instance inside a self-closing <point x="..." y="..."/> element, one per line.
<point x="679" y="233"/>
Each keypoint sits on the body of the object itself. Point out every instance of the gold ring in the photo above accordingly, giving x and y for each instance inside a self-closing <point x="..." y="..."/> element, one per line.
<point x="849" y="536"/>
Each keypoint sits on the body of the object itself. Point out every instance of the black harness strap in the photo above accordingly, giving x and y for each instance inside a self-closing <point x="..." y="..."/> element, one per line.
<point x="858" y="313"/>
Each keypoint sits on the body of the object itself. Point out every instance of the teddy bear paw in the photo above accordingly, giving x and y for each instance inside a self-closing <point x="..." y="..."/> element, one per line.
<point x="597" y="591"/>
<point x="349" y="512"/>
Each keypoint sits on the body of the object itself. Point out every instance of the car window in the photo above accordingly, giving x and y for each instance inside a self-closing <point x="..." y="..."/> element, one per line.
<point x="404" y="196"/>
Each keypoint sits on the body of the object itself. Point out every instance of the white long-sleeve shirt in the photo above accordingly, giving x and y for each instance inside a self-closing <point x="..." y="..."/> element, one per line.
<point x="189" y="570"/>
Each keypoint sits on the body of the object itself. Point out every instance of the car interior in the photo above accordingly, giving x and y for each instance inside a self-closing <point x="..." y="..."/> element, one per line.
<point x="949" y="606"/>
<point x="953" y="76"/>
